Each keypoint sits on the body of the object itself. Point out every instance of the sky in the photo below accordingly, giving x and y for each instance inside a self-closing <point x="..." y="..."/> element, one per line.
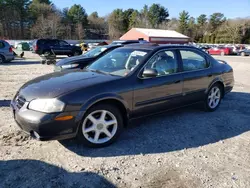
<point x="230" y="8"/>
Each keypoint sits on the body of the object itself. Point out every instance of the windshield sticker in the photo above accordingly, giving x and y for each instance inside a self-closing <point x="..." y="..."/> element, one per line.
<point x="138" y="53"/>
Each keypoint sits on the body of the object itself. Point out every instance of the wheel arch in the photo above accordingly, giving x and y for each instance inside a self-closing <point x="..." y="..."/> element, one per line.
<point x="219" y="81"/>
<point x="111" y="99"/>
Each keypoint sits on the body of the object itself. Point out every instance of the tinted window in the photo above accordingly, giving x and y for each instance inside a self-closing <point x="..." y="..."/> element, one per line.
<point x="63" y="43"/>
<point x="1" y="44"/>
<point x="165" y="62"/>
<point x="41" y="42"/>
<point x="95" y="52"/>
<point x="193" y="61"/>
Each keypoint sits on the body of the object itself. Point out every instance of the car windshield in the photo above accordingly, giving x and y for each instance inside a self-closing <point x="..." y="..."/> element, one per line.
<point x="96" y="51"/>
<point x="119" y="62"/>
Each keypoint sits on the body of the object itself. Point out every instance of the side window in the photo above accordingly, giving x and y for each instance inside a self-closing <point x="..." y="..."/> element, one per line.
<point x="63" y="43"/>
<point x="1" y="44"/>
<point x="193" y="61"/>
<point x="164" y="62"/>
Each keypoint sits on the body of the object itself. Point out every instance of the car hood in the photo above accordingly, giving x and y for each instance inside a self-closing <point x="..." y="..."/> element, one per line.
<point x="75" y="59"/>
<point x="56" y="84"/>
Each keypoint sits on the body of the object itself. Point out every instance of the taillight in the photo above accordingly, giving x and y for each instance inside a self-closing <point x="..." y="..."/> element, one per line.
<point x="10" y="50"/>
<point x="36" y="47"/>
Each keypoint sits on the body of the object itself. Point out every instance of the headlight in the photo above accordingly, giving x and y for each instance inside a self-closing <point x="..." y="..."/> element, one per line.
<point x="69" y="66"/>
<point x="46" y="105"/>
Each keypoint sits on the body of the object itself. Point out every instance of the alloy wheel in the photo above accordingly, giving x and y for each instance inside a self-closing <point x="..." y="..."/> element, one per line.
<point x="214" y="97"/>
<point x="99" y="126"/>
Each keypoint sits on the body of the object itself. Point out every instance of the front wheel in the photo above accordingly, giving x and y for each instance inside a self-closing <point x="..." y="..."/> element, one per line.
<point x="101" y="126"/>
<point x="213" y="98"/>
<point x="222" y="53"/>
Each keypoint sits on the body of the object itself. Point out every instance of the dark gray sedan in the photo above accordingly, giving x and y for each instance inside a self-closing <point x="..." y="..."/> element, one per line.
<point x="96" y="103"/>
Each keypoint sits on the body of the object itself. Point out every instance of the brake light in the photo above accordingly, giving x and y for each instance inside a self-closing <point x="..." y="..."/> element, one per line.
<point x="36" y="48"/>
<point x="10" y="50"/>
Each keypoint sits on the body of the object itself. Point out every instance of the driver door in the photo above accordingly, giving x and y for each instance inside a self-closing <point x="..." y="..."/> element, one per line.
<point x="156" y="94"/>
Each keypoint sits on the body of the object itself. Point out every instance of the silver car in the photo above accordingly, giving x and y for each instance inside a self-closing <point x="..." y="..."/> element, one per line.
<point x="6" y="52"/>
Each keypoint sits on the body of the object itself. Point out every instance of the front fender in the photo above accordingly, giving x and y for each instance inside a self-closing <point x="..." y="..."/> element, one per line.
<point x="99" y="98"/>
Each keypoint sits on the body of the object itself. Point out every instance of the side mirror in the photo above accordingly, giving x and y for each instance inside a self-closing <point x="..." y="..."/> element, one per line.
<point x="149" y="73"/>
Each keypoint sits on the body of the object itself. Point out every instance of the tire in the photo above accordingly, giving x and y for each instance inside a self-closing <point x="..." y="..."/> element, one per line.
<point x="98" y="129"/>
<point x="2" y="59"/>
<point x="212" y="106"/>
<point x="222" y="53"/>
<point x="243" y="54"/>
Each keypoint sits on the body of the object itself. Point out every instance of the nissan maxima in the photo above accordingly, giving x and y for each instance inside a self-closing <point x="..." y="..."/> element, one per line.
<point x="95" y="104"/>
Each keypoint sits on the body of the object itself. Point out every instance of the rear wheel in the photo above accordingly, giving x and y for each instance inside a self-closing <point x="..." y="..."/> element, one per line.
<point x="2" y="59"/>
<point x="213" y="98"/>
<point x="243" y="54"/>
<point x="222" y="53"/>
<point x="101" y="126"/>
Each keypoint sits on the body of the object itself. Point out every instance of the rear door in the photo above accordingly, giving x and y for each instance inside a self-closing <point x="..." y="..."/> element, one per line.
<point x="196" y="75"/>
<point x="65" y="48"/>
<point x="156" y="94"/>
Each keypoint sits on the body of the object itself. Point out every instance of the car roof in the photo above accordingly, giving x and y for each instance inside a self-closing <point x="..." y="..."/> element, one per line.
<point x="151" y="46"/>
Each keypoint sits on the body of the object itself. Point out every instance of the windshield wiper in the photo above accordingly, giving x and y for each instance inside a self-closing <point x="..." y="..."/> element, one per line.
<point x="98" y="71"/>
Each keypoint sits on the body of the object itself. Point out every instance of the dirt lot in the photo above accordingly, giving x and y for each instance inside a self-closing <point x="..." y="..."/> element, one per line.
<point x="186" y="148"/>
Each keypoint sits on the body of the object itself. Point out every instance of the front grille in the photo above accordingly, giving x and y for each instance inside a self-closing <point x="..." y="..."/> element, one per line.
<point x="20" y="101"/>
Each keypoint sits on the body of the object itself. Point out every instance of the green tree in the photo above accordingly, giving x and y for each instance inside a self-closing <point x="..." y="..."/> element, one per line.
<point x="192" y="29"/>
<point x="157" y="14"/>
<point x="183" y="22"/>
<point x="134" y="19"/>
<point x="202" y="20"/>
<point x="216" y="20"/>
<point x="79" y="18"/>
<point x="115" y="22"/>
<point x="78" y="15"/>
<point x="126" y="18"/>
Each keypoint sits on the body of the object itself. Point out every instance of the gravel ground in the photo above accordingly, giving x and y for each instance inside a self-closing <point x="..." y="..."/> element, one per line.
<point x="186" y="148"/>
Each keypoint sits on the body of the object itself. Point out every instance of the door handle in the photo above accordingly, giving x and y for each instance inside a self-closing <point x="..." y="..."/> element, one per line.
<point x="178" y="81"/>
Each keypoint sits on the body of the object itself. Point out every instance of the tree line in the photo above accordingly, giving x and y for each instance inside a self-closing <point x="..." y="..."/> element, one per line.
<point x="29" y="19"/>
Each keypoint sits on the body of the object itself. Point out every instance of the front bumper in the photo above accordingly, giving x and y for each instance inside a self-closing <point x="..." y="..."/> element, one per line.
<point x="42" y="126"/>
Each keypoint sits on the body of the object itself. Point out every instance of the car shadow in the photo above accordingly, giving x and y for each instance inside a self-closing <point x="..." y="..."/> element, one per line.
<point x="33" y="173"/>
<point x="5" y="103"/>
<point x="177" y="130"/>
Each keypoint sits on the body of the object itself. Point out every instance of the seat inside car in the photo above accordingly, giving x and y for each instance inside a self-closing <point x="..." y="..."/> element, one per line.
<point x="165" y="64"/>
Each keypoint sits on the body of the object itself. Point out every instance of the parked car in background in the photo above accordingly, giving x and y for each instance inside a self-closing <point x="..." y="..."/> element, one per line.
<point x="220" y="50"/>
<point x="96" y="103"/>
<point x="58" y="47"/>
<point x="84" y="60"/>
<point x="244" y="52"/>
<point x="23" y="46"/>
<point x="6" y="52"/>
<point x="129" y="41"/>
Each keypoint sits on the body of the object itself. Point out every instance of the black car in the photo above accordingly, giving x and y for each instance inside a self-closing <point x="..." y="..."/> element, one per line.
<point x="55" y="46"/>
<point x="129" y="42"/>
<point x="96" y="103"/>
<point x="84" y="60"/>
